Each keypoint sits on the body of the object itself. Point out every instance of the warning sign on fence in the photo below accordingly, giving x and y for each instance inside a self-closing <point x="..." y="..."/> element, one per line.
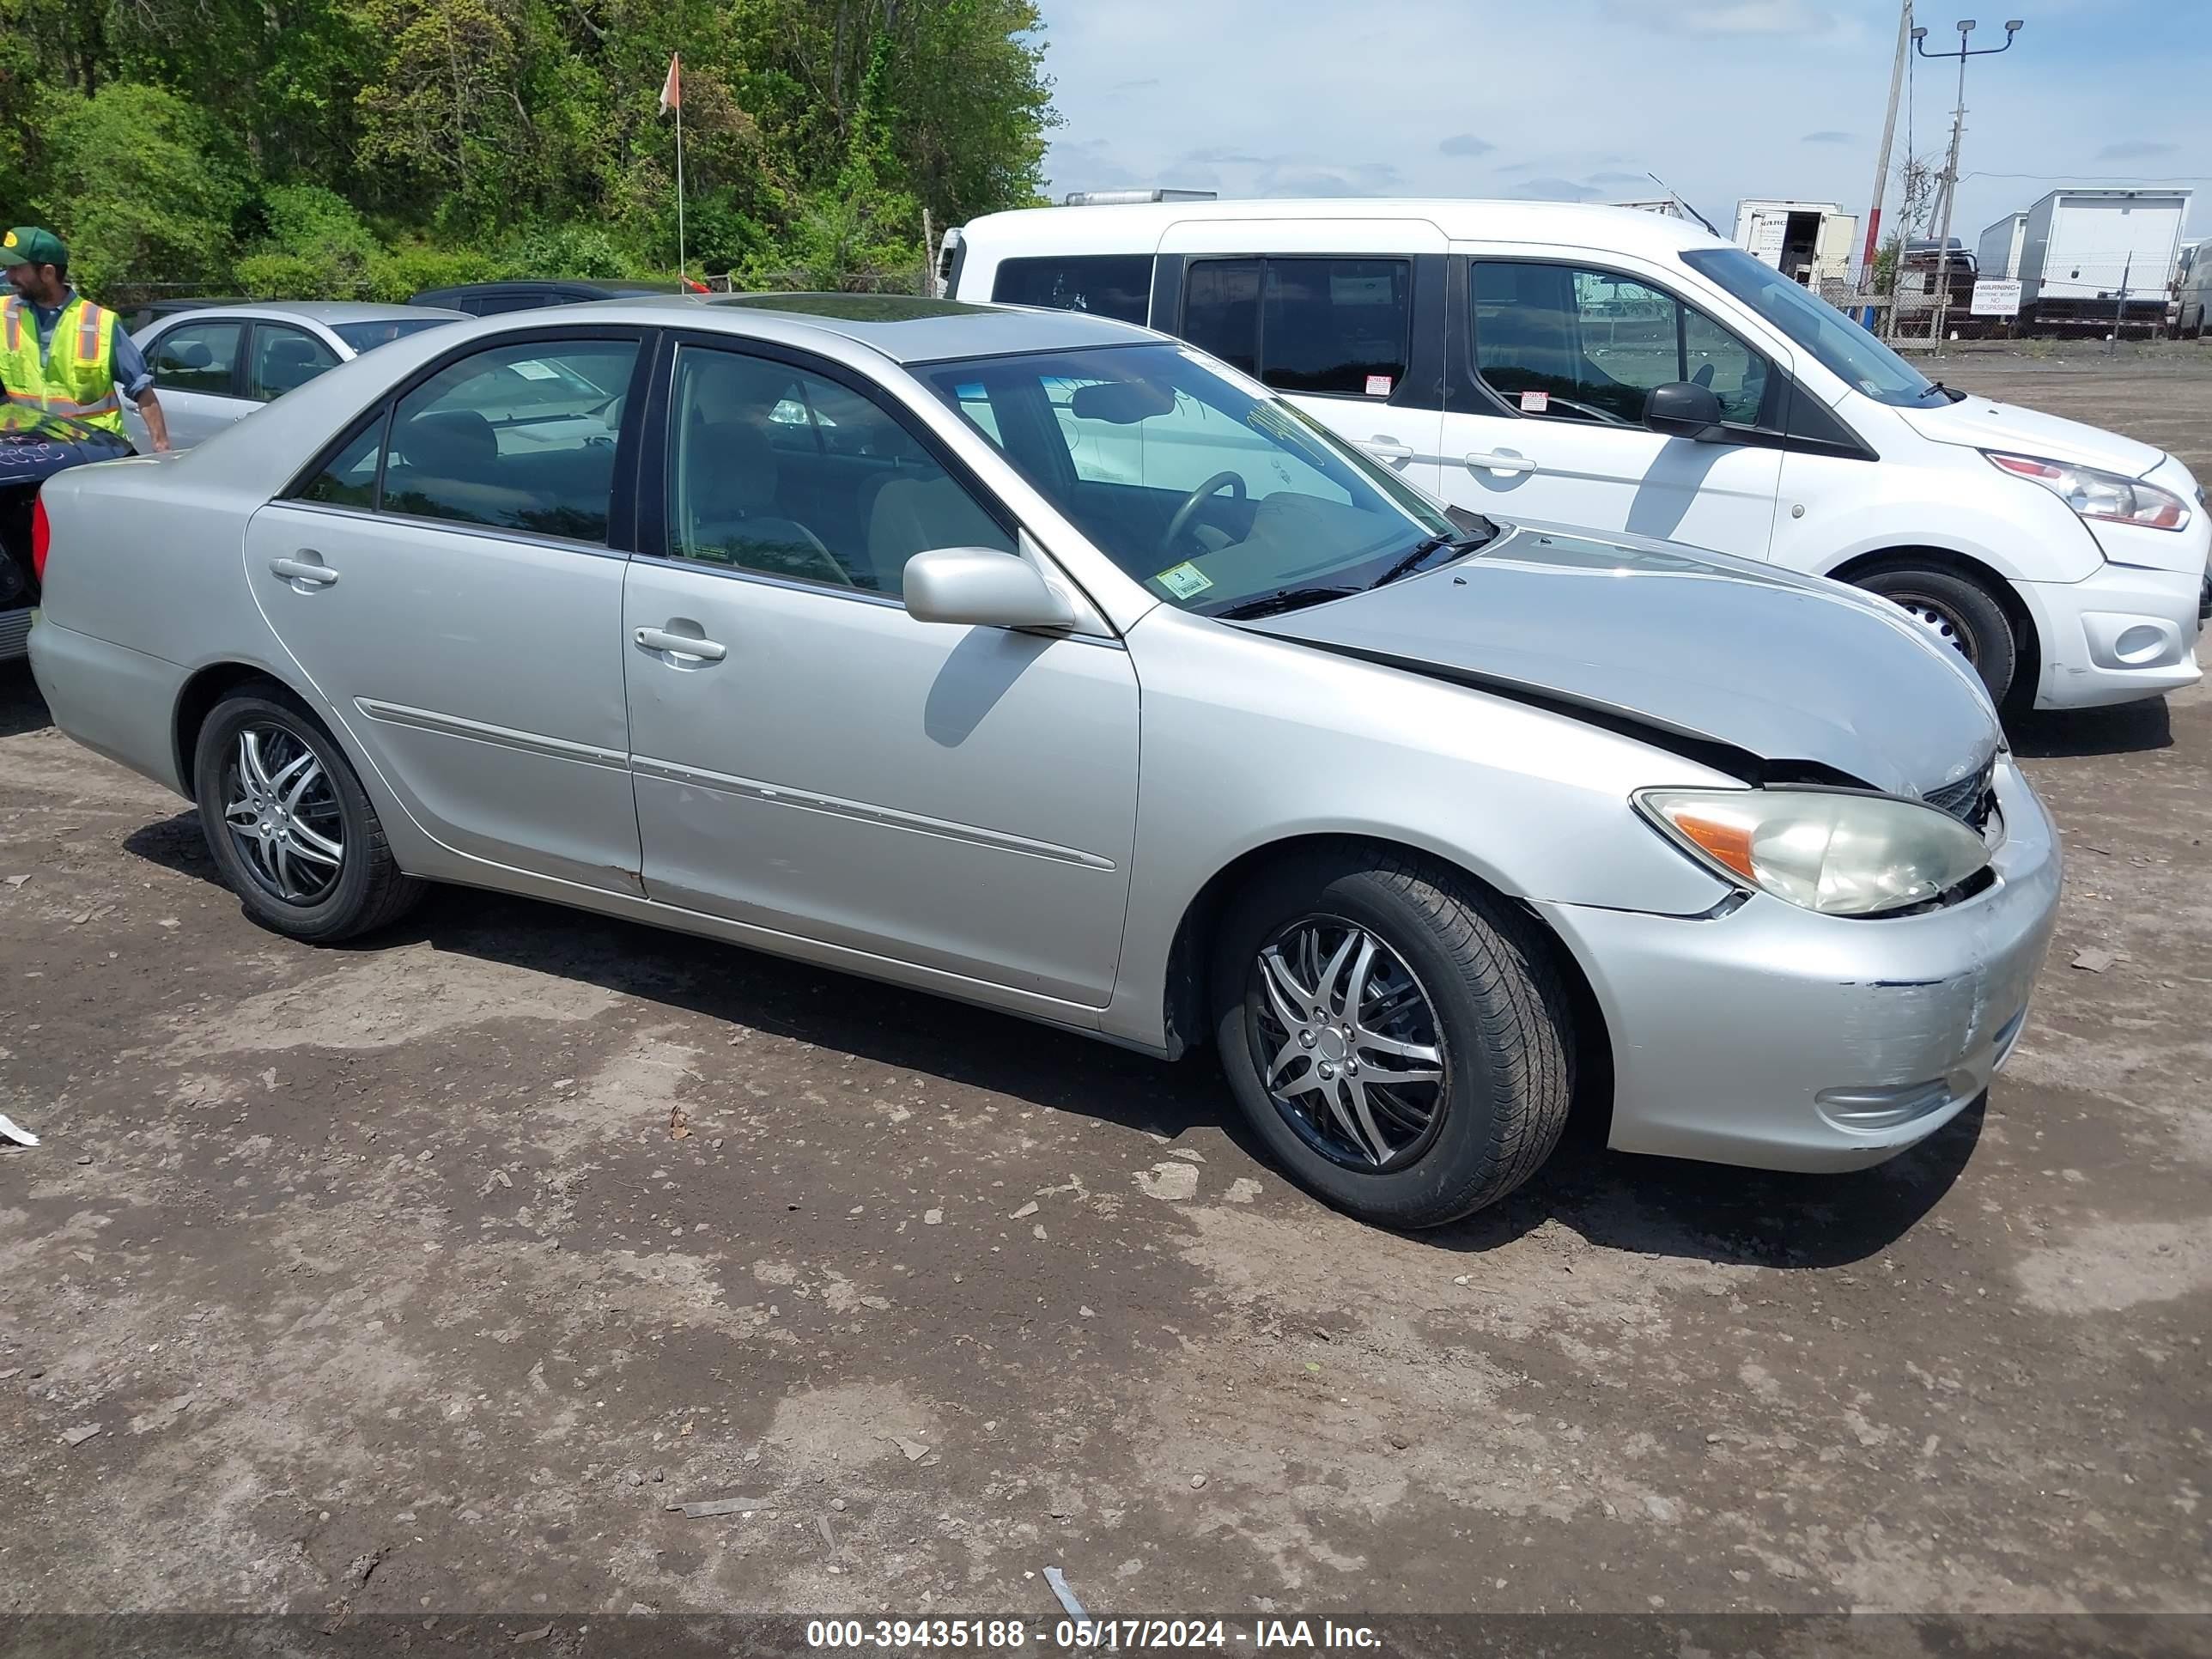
<point x="1996" y="298"/>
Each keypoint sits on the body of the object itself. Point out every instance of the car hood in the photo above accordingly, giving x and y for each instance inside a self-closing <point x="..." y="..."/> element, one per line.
<point x="1978" y="423"/>
<point x="1675" y="642"/>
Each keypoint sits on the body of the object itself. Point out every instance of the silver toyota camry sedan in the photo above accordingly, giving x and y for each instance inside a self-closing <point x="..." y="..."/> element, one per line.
<point x="1040" y="661"/>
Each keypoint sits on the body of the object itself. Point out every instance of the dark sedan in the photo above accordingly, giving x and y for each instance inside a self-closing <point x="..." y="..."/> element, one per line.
<point x="33" y="449"/>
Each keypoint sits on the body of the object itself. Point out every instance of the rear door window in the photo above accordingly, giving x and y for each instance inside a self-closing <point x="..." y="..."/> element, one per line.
<point x="1117" y="285"/>
<point x="284" y="358"/>
<point x="522" y="437"/>
<point x="197" y="357"/>
<point x="1335" y="327"/>
<point x="1221" y="310"/>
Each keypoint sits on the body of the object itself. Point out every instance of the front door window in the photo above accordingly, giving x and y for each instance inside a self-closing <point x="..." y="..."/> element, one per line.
<point x="1563" y="343"/>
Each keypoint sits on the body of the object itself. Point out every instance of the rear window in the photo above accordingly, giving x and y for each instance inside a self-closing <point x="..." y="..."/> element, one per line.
<point x="1337" y="327"/>
<point x="1117" y="285"/>
<point x="367" y="336"/>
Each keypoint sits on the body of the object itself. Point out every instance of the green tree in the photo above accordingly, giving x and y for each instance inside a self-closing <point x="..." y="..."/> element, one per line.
<point x="458" y="134"/>
<point x="137" y="181"/>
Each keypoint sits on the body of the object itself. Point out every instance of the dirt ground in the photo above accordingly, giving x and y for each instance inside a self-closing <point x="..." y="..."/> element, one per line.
<point x="387" y="1287"/>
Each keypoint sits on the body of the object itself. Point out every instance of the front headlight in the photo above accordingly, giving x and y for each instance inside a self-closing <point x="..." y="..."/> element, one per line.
<point x="1838" y="853"/>
<point x="2095" y="494"/>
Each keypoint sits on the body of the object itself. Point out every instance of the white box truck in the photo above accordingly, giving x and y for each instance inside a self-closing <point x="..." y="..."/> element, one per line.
<point x="2080" y="246"/>
<point x="1809" y="242"/>
<point x="1998" y="254"/>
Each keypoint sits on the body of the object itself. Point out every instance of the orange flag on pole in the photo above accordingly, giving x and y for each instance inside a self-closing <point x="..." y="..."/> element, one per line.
<point x="671" y="90"/>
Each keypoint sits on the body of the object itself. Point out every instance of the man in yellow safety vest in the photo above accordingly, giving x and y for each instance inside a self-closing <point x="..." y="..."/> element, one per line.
<point x="59" y="353"/>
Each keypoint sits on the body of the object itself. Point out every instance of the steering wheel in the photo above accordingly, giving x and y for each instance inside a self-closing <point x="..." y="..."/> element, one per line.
<point x="1233" y="481"/>
<point x="827" y="562"/>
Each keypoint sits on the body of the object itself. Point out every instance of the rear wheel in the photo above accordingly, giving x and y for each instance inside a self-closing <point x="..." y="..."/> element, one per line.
<point x="1399" y="1039"/>
<point x="1956" y="612"/>
<point x="287" y="822"/>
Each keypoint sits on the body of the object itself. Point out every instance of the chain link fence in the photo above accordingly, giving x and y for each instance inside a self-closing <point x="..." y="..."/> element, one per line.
<point x="1907" y="302"/>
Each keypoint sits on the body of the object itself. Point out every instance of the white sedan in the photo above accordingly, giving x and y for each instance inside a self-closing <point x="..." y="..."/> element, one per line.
<point x="217" y="366"/>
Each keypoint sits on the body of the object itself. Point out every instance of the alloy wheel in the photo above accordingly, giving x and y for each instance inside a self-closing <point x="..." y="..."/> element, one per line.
<point x="1348" y="1044"/>
<point x="283" y="816"/>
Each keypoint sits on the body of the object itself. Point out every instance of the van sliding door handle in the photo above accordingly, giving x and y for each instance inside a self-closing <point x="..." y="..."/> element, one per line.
<point x="1499" y="461"/>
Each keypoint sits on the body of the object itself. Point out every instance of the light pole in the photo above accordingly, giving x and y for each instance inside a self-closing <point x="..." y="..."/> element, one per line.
<point x="1951" y="169"/>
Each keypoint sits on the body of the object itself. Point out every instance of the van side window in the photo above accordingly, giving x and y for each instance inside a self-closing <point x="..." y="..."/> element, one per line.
<point x="1567" y="343"/>
<point x="1117" y="285"/>
<point x="1338" y="327"/>
<point x="1221" y="310"/>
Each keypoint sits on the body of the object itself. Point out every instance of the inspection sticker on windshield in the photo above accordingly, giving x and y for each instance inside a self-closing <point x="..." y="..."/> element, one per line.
<point x="531" y="369"/>
<point x="1535" y="403"/>
<point x="1185" y="581"/>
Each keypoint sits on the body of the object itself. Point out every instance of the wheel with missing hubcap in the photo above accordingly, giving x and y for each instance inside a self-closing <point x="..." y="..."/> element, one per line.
<point x="1398" y="1038"/>
<point x="287" y="824"/>
<point x="1956" y="614"/>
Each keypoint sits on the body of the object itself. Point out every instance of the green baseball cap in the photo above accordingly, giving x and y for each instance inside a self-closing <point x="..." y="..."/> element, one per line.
<point x="29" y="245"/>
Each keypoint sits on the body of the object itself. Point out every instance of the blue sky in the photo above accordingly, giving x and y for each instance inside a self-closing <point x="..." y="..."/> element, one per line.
<point x="1578" y="100"/>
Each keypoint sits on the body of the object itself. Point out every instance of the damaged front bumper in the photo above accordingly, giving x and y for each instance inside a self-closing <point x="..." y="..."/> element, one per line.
<point x="1780" y="1039"/>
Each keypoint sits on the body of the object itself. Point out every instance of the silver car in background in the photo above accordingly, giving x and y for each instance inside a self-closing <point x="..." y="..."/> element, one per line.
<point x="1039" y="661"/>
<point x="217" y="366"/>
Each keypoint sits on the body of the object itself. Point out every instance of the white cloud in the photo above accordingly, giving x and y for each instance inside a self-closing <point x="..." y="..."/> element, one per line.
<point x="1723" y="99"/>
<point x="1726" y="16"/>
<point x="1554" y="189"/>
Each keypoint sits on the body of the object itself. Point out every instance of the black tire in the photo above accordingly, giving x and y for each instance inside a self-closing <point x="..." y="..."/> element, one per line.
<point x="1958" y="609"/>
<point x="1501" y="1015"/>
<point x="369" y="891"/>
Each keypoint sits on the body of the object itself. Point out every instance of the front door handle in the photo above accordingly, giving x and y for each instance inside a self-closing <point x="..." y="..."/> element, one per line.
<point x="688" y="644"/>
<point x="1389" y="449"/>
<point x="1500" y="461"/>
<point x="309" y="568"/>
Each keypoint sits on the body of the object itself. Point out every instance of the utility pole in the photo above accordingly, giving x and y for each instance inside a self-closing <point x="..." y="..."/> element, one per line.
<point x="1881" y="162"/>
<point x="1966" y="27"/>
<point x="2120" y="312"/>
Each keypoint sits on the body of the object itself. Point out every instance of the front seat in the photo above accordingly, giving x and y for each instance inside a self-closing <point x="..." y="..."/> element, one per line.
<point x="915" y="515"/>
<point x="729" y="483"/>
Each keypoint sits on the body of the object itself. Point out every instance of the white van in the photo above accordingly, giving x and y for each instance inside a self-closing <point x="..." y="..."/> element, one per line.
<point x="1605" y="369"/>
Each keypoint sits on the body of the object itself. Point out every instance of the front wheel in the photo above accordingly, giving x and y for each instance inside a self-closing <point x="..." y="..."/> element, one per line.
<point x="287" y="824"/>
<point x="1957" y="613"/>
<point x="1399" y="1039"/>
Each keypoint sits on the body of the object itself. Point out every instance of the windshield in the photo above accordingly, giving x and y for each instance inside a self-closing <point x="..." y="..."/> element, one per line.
<point x="367" y="336"/>
<point x="1213" y="495"/>
<point x="1839" y="344"/>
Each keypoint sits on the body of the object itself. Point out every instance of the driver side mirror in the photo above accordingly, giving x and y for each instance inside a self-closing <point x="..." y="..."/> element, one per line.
<point x="1683" y="409"/>
<point x="982" y="588"/>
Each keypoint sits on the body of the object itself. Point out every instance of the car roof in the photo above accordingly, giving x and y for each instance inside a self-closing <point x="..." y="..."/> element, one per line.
<point x="903" y="327"/>
<point x="1137" y="226"/>
<point x="329" y="313"/>
<point x="335" y="311"/>
<point x="611" y="287"/>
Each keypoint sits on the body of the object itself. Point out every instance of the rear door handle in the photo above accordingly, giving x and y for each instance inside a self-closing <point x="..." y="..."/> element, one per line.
<point x="1496" y="461"/>
<point x="311" y="570"/>
<point x="688" y="644"/>
<point x="1389" y="449"/>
